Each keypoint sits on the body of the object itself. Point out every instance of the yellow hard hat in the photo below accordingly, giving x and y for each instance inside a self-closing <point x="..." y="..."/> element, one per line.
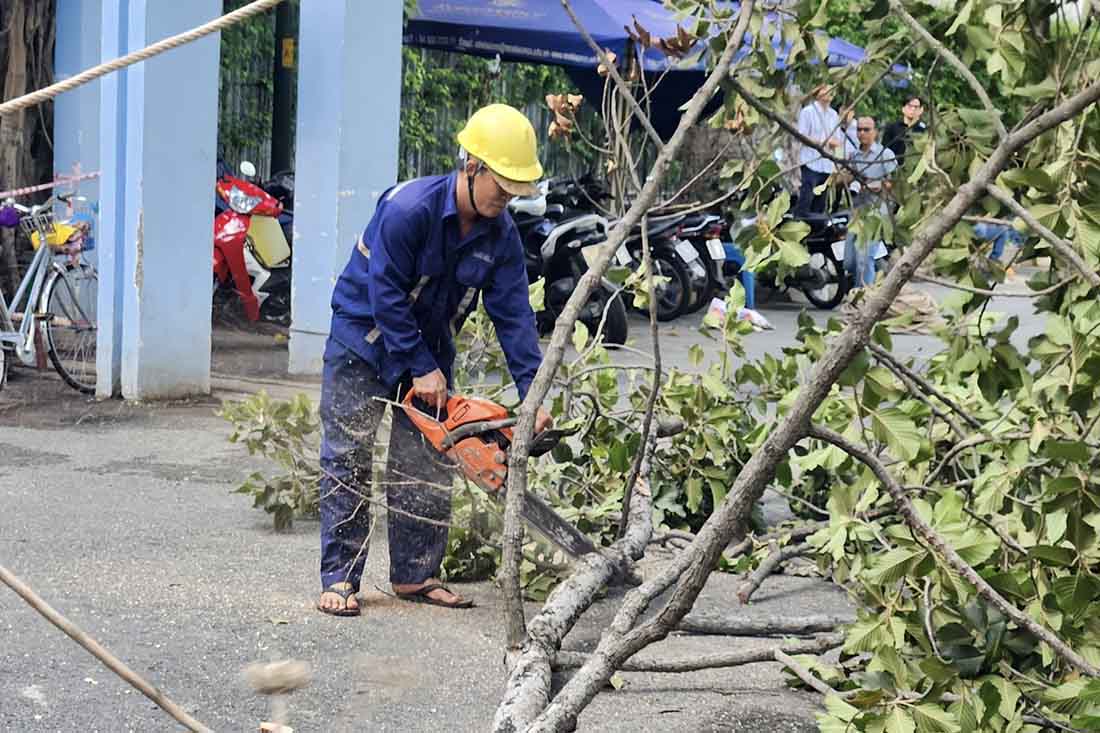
<point x="503" y="139"/>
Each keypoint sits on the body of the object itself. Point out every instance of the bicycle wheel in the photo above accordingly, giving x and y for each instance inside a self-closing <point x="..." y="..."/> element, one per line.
<point x="70" y="327"/>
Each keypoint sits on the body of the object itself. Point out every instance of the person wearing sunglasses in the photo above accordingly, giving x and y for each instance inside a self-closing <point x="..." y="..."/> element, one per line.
<point x="871" y="165"/>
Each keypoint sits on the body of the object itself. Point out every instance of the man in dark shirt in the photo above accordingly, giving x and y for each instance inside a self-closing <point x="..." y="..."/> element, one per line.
<point x="898" y="134"/>
<point x="433" y="246"/>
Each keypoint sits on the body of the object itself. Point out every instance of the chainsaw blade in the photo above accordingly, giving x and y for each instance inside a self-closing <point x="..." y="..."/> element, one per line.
<point x="553" y="527"/>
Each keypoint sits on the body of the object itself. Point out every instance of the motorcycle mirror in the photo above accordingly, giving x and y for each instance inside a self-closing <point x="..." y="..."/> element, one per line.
<point x="247" y="168"/>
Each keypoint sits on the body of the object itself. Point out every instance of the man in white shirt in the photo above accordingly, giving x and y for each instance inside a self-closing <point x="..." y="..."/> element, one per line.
<point x="819" y="122"/>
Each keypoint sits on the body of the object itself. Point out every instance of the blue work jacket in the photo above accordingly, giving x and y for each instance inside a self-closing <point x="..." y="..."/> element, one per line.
<point x="412" y="280"/>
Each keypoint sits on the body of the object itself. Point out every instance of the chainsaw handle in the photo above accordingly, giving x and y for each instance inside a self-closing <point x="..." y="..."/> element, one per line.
<point x="475" y="428"/>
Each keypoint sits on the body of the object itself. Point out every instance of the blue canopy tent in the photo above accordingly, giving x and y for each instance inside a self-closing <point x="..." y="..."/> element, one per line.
<point x="541" y="31"/>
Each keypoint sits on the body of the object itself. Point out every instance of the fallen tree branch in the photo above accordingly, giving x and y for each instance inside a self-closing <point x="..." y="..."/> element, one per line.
<point x="570" y="660"/>
<point x="769" y="626"/>
<point x="523" y="700"/>
<point x="690" y="570"/>
<point x="927" y="386"/>
<point x="768" y="566"/>
<point x="529" y="680"/>
<point x="802" y="673"/>
<point x="655" y="390"/>
<point x="94" y="648"/>
<point x="994" y="293"/>
<point x="1061" y="246"/>
<point x="948" y="553"/>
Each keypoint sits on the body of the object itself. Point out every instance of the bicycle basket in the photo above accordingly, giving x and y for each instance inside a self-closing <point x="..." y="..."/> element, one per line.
<point x="36" y="225"/>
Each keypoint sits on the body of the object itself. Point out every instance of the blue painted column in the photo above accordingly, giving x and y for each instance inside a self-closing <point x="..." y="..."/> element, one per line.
<point x="76" y="114"/>
<point x="349" y="111"/>
<point x="158" y="147"/>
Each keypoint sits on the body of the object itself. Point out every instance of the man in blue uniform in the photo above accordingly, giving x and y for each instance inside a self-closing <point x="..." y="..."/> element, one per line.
<point x="433" y="245"/>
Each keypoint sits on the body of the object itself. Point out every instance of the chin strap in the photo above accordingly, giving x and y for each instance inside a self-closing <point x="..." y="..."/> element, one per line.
<point x="470" y="187"/>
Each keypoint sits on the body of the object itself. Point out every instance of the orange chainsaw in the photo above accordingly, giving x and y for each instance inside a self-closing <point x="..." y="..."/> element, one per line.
<point x="476" y="434"/>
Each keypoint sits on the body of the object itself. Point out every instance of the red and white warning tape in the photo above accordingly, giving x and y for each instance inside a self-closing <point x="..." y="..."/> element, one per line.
<point x="60" y="181"/>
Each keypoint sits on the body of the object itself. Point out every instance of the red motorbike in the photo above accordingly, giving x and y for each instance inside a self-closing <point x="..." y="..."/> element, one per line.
<point x="252" y="234"/>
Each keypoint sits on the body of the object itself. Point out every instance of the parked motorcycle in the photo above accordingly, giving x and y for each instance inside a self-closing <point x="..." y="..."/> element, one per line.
<point x="822" y="280"/>
<point x="557" y="249"/>
<point x="704" y="232"/>
<point x="684" y="277"/>
<point x="252" y="233"/>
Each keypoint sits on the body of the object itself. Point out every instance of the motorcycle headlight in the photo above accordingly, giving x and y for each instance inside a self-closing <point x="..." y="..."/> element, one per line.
<point x="241" y="202"/>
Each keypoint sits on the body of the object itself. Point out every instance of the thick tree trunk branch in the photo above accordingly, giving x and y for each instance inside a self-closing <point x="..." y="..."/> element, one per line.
<point x="1061" y="246"/>
<point x="770" y="626"/>
<point x="946" y="54"/>
<point x="528" y="686"/>
<point x="948" y="553"/>
<point x="517" y="474"/>
<point x="613" y="72"/>
<point x="728" y="519"/>
<point x="569" y="660"/>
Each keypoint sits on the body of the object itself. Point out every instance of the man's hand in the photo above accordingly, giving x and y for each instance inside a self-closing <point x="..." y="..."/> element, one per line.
<point x="543" y="420"/>
<point x="431" y="388"/>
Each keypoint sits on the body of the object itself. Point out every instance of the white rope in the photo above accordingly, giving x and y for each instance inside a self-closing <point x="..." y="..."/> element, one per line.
<point x="225" y="21"/>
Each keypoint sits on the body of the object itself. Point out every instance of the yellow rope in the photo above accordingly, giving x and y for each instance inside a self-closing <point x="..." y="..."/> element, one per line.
<point x="225" y="21"/>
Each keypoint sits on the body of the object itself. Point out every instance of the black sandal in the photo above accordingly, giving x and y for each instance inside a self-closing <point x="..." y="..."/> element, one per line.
<point x="420" y="595"/>
<point x="344" y="593"/>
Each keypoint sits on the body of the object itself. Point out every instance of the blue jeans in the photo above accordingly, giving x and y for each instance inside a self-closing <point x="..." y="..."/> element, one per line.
<point x="748" y="280"/>
<point x="1000" y="235"/>
<point x="417" y="478"/>
<point x="858" y="263"/>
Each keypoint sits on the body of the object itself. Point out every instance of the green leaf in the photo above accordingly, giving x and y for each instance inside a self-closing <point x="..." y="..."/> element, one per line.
<point x="1066" y="450"/>
<point x="962" y="18"/>
<point x="897" y="431"/>
<point x="620" y="457"/>
<point x="898" y="721"/>
<point x="1033" y="177"/>
<point x="580" y="336"/>
<point x="892" y="566"/>
<point x="694" y="489"/>
<point x="1075" y="593"/>
<point x="932" y="719"/>
<point x="1055" y="556"/>
<point x="777" y="208"/>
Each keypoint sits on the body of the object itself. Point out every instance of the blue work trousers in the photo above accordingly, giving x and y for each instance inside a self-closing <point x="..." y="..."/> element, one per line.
<point x="417" y="478"/>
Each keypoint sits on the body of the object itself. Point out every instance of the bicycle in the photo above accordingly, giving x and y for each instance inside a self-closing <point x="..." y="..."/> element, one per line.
<point x="59" y="292"/>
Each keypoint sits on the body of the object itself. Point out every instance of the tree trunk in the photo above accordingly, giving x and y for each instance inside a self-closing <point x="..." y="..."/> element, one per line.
<point x="26" y="154"/>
